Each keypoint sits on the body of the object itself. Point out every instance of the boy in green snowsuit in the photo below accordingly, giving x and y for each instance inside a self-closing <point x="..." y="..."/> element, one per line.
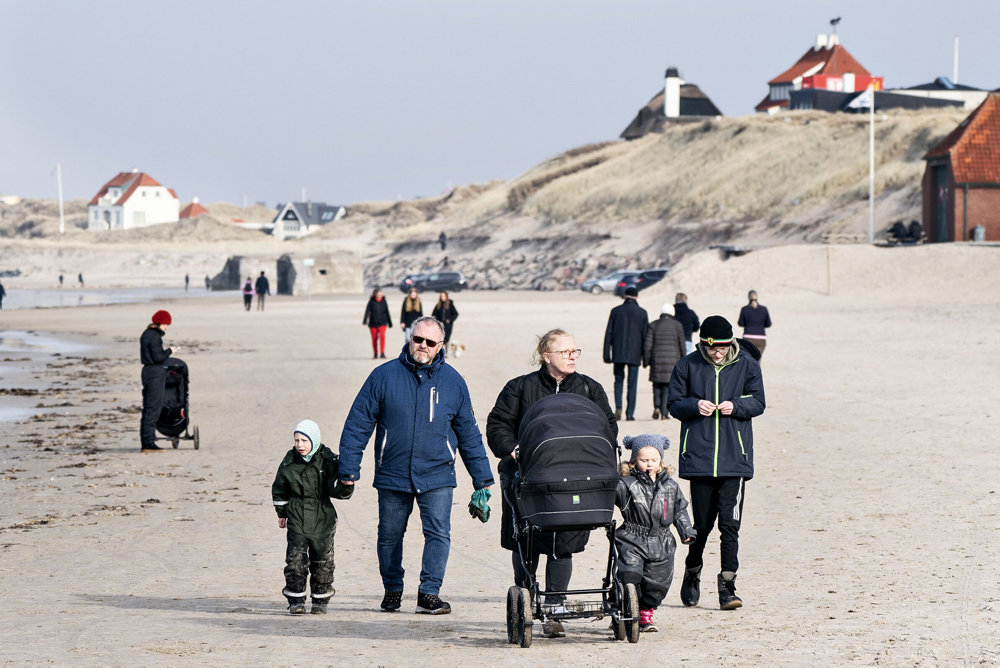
<point x="307" y="477"/>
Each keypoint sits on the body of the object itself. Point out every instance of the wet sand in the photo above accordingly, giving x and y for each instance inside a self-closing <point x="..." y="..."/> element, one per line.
<point x="870" y="530"/>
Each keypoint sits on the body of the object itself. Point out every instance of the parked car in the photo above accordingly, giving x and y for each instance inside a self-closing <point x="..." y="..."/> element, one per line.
<point x="640" y="280"/>
<point x="596" y="286"/>
<point x="441" y="280"/>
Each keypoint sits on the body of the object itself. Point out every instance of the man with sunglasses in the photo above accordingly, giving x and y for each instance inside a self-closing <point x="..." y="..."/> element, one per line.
<point x="420" y="410"/>
<point x="715" y="392"/>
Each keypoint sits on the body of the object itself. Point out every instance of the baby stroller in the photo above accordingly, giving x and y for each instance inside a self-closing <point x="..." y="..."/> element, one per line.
<point x="566" y="479"/>
<point x="175" y="416"/>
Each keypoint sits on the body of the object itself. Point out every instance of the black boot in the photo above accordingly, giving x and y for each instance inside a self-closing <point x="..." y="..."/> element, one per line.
<point x="728" y="600"/>
<point x="691" y="586"/>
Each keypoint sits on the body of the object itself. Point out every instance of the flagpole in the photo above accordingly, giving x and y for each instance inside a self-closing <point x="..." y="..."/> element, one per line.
<point x="871" y="167"/>
<point x="62" y="224"/>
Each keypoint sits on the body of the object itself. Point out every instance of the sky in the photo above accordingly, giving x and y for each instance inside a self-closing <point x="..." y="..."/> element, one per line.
<point x="248" y="101"/>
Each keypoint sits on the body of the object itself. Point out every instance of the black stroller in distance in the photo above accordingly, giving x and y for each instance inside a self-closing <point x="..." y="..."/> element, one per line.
<point x="566" y="480"/>
<point x="175" y="415"/>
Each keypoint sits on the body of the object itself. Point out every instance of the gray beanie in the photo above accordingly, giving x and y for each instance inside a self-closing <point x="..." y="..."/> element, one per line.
<point x="310" y="430"/>
<point x="637" y="443"/>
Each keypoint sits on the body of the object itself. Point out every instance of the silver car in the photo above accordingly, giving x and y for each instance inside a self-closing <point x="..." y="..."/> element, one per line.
<point x="596" y="286"/>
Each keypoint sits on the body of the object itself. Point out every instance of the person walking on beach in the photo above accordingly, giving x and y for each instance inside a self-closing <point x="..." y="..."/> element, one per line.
<point x="688" y="318"/>
<point x="556" y="356"/>
<point x="421" y="413"/>
<point x="411" y="310"/>
<point x="623" y="339"/>
<point x="248" y="294"/>
<point x="754" y="319"/>
<point x="306" y="479"/>
<point x="378" y="320"/>
<point x="715" y="392"/>
<point x="443" y="240"/>
<point x="208" y="282"/>
<point x="79" y="278"/>
<point x="60" y="280"/>
<point x="663" y="346"/>
<point x="152" y="354"/>
<point x="445" y="313"/>
<point x="3" y="293"/>
<point x="262" y="288"/>
<point x="187" y="281"/>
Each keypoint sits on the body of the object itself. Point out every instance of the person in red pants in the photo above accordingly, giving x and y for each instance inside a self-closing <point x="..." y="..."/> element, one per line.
<point x="378" y="319"/>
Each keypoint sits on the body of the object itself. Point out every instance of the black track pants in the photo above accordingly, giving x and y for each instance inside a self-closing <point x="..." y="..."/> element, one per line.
<point x="154" y="378"/>
<point x="722" y="499"/>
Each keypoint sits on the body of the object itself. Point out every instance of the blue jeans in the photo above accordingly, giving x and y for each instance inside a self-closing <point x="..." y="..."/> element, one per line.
<point x="394" y="510"/>
<point x="633" y="384"/>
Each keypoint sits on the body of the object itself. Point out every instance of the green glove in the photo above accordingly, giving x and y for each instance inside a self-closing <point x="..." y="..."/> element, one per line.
<point x="479" y="506"/>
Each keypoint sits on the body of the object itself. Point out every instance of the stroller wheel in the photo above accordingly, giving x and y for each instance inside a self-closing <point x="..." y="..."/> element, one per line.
<point x="617" y="614"/>
<point x="524" y="618"/>
<point x="630" y="609"/>
<point x="513" y="595"/>
<point x="194" y="435"/>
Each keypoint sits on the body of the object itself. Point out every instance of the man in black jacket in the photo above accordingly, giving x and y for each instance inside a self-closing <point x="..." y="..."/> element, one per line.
<point x="686" y="317"/>
<point x="261" y="287"/>
<point x="623" y="340"/>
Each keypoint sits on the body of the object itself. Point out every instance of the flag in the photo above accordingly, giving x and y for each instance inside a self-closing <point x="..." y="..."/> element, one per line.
<point x="863" y="101"/>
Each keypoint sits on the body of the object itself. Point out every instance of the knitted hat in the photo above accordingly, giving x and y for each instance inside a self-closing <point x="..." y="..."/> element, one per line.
<point x="310" y="430"/>
<point x="161" y="318"/>
<point x="637" y="443"/>
<point x="631" y="292"/>
<point x="667" y="308"/>
<point x="716" y="331"/>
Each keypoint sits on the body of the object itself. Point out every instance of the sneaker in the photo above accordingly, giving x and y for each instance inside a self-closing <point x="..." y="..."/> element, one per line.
<point x="297" y="609"/>
<point x="728" y="600"/>
<point x="630" y="419"/>
<point x="431" y="604"/>
<point x="618" y="414"/>
<point x="691" y="587"/>
<point x="391" y="601"/>
<point x="553" y="629"/>
<point x="656" y="413"/>
<point x="646" y="624"/>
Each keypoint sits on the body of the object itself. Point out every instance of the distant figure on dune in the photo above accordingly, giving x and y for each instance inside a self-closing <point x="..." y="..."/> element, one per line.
<point x="754" y="319"/>
<point x="443" y="240"/>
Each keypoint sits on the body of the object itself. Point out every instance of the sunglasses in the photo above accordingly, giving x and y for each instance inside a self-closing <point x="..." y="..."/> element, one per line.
<point x="419" y="339"/>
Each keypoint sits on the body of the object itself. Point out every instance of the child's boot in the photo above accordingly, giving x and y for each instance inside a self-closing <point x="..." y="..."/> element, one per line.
<point x="691" y="587"/>
<point x="728" y="600"/>
<point x="296" y="606"/>
<point x="319" y="606"/>
<point x="646" y="621"/>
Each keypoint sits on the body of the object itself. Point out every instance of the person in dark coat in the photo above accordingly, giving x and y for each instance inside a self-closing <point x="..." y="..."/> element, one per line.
<point x="3" y="293"/>
<point x="152" y="354"/>
<point x="411" y="310"/>
<point x="664" y="345"/>
<point x="248" y="294"/>
<point x="715" y="392"/>
<point x="754" y="319"/>
<point x="650" y="501"/>
<point x="261" y="287"/>
<point x="556" y="356"/>
<point x="688" y="318"/>
<point x="306" y="479"/>
<point x="623" y="341"/>
<point x="377" y="319"/>
<point x="446" y="314"/>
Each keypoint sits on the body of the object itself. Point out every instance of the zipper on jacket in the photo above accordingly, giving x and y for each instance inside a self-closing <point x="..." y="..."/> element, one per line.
<point x="664" y="510"/>
<point x="434" y="400"/>
<point x="739" y="436"/>
<point x="715" y="458"/>
<point x="381" y="452"/>
<point x="447" y="441"/>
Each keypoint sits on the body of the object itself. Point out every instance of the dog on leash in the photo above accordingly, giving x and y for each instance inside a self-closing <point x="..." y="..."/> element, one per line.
<point x="455" y="349"/>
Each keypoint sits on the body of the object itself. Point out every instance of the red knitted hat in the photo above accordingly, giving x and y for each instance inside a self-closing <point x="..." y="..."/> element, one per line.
<point x="161" y="318"/>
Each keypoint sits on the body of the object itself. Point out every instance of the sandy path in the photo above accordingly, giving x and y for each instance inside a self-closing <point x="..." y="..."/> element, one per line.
<point x="870" y="530"/>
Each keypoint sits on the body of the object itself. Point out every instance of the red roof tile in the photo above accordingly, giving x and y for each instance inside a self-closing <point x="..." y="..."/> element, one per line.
<point x="833" y="62"/>
<point x="129" y="181"/>
<point x="193" y="210"/>
<point x="974" y="146"/>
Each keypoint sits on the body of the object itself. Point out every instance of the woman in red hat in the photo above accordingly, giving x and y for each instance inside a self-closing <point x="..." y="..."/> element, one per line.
<point x="154" y="375"/>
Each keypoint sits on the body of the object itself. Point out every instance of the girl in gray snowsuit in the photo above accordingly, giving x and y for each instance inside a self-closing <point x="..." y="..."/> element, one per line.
<point x="650" y="501"/>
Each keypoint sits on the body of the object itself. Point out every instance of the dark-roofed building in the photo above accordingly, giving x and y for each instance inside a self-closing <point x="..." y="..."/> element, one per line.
<point x="297" y="219"/>
<point x="828" y="100"/>
<point x="961" y="185"/>
<point x="131" y="199"/>
<point x="677" y="99"/>
<point x="827" y="66"/>
<point x="943" y="88"/>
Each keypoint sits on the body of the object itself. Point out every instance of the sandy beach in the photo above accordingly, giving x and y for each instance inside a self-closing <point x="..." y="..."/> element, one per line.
<point x="870" y="534"/>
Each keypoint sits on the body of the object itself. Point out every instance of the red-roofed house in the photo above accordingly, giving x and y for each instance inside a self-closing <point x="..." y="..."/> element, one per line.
<point x="193" y="210"/>
<point x="132" y="199"/>
<point x="826" y="66"/>
<point x="961" y="183"/>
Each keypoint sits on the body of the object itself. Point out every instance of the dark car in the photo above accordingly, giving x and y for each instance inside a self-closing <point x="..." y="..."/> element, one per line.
<point x="441" y="280"/>
<point x="640" y="280"/>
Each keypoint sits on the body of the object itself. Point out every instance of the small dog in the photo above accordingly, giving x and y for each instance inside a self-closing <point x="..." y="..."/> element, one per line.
<point x="455" y="349"/>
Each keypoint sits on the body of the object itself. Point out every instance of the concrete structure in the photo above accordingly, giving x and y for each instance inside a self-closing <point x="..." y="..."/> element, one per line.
<point x="297" y="219"/>
<point x="295" y="274"/>
<point x="961" y="184"/>
<point x="132" y="199"/>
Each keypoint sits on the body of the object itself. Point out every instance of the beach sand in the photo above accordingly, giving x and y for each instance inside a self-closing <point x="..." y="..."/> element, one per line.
<point x="870" y="530"/>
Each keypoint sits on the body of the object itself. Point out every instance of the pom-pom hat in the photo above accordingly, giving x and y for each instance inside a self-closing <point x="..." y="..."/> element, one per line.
<point x="637" y="443"/>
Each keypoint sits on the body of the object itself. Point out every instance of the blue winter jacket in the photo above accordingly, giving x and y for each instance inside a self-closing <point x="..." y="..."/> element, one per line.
<point x="422" y="417"/>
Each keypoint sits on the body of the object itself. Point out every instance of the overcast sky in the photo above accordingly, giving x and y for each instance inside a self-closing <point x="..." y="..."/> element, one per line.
<point x="256" y="100"/>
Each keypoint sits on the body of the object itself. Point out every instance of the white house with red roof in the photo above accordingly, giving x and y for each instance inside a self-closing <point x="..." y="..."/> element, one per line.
<point x="132" y="199"/>
<point x="826" y="66"/>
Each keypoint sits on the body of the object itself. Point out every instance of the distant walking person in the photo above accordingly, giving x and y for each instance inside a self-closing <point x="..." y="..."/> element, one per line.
<point x="623" y="341"/>
<point x="79" y="278"/>
<point x="208" y="282"/>
<point x="686" y="317"/>
<point x="411" y="311"/>
<point x="152" y="354"/>
<point x="60" y="280"/>
<point x="663" y="347"/>
<point x="378" y="319"/>
<point x="3" y="293"/>
<point x="445" y="313"/>
<point x="187" y="282"/>
<point x="248" y="294"/>
<point x="754" y="319"/>
<point x="443" y="240"/>
<point x="262" y="288"/>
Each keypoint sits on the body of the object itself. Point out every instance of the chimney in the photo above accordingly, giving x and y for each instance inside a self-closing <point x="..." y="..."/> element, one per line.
<point x="672" y="93"/>
<point x="820" y="42"/>
<point x="833" y="40"/>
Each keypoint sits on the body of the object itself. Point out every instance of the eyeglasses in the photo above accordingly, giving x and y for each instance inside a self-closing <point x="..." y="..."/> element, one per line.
<point x="567" y="354"/>
<point x="419" y="339"/>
